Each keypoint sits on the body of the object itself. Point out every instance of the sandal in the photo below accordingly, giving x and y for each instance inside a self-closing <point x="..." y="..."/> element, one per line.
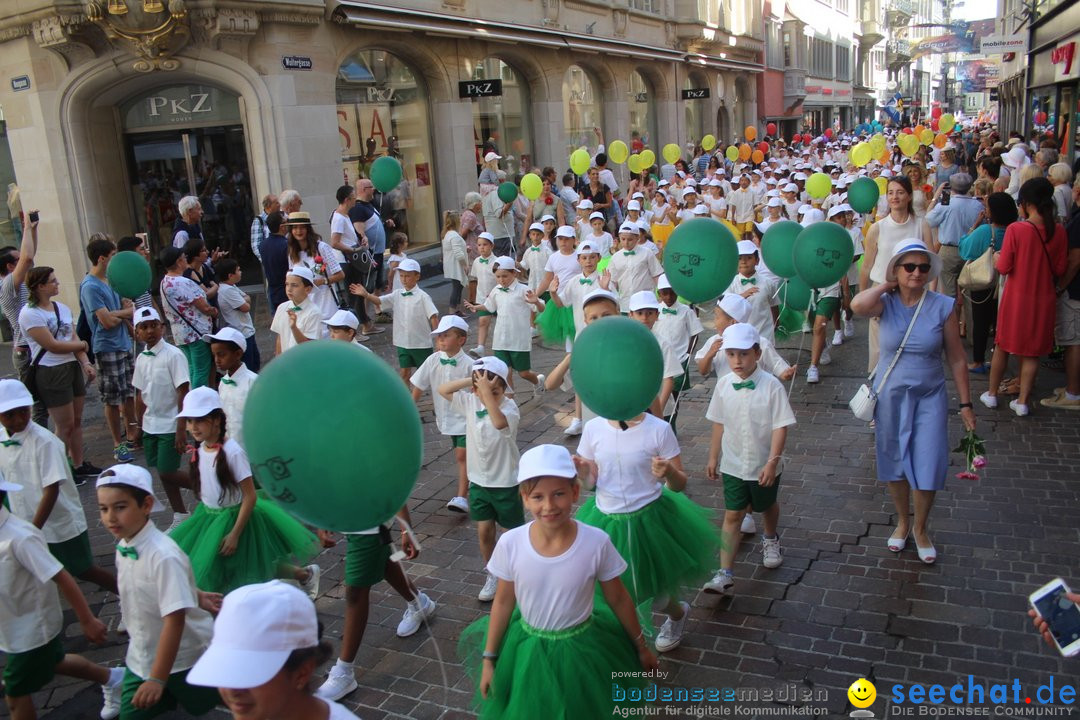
<point x="896" y="544"/>
<point x="1009" y="387"/>
<point x="927" y="554"/>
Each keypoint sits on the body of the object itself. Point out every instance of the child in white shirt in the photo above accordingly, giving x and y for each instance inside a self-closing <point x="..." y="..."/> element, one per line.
<point x="515" y="305"/>
<point x="235" y="306"/>
<point x="757" y="289"/>
<point x="599" y="237"/>
<point x="632" y="269"/>
<point x="482" y="274"/>
<point x="679" y="325"/>
<point x="236" y="379"/>
<point x="731" y="309"/>
<point x="399" y="242"/>
<point x="298" y="319"/>
<point x="535" y="257"/>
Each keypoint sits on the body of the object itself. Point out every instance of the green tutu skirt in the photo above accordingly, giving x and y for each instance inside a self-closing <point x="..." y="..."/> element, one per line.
<point x="669" y="544"/>
<point x="556" y="323"/>
<point x="553" y="674"/>
<point x="270" y="538"/>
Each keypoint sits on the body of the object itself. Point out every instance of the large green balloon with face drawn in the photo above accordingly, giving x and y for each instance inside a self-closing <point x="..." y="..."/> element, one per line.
<point x="616" y="395"/>
<point x="700" y="259"/>
<point x="823" y="254"/>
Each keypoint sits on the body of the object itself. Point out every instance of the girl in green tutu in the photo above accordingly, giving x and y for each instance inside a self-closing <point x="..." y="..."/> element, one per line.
<point x="556" y="324"/>
<point x="233" y="537"/>
<point x="550" y="641"/>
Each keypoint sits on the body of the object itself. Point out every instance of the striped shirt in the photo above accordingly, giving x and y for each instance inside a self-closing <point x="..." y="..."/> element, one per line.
<point x="12" y="301"/>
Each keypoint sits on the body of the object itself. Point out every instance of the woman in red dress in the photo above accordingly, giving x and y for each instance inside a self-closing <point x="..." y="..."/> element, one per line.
<point x="1031" y="257"/>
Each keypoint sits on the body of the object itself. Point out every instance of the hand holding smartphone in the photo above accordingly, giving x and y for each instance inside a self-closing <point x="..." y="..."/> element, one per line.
<point x="1057" y="615"/>
<point x="33" y="216"/>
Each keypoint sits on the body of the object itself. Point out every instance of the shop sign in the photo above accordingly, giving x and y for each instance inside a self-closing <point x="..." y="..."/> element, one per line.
<point x="181" y="105"/>
<point x="296" y="62"/>
<point x="1000" y="44"/>
<point x="20" y="83"/>
<point x="1063" y="58"/>
<point x="695" y="93"/>
<point x="363" y="129"/>
<point x="469" y="89"/>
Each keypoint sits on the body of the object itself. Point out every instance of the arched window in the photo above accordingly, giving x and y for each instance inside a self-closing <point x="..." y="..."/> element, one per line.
<point x="582" y="110"/>
<point x="501" y="121"/>
<point x="642" y="113"/>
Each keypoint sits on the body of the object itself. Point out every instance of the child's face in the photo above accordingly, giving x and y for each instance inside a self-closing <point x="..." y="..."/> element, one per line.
<point x="296" y="289"/>
<point x="451" y="341"/>
<point x="484" y="248"/>
<point x="505" y="278"/>
<point x="227" y="357"/>
<point x="234" y="279"/>
<point x="121" y="514"/>
<point x="551" y="500"/>
<point x="409" y="279"/>
<point x="628" y="240"/>
<point x="204" y="429"/>
<point x="588" y="262"/>
<point x="743" y="362"/>
<point x="597" y="226"/>
<point x="667" y="296"/>
<point x="549" y="226"/>
<point x="565" y="244"/>
<point x="498" y="387"/>
<point x="342" y="333"/>
<point x="721" y="320"/>
<point x="599" y="309"/>
<point x="150" y="332"/>
<point x="535" y="237"/>
<point x="747" y="264"/>
<point x="646" y="317"/>
<point x="266" y="700"/>
<point x="15" y="420"/>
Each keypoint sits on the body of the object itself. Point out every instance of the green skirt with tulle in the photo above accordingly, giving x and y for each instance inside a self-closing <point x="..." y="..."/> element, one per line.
<point x="555" y="323"/>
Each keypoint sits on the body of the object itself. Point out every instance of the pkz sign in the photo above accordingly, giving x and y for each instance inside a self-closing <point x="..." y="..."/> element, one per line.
<point x="468" y="89"/>
<point x="695" y="93"/>
<point x="296" y="62"/>
<point x="180" y="105"/>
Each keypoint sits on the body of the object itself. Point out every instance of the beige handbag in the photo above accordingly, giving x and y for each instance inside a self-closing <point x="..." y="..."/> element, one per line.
<point x="980" y="273"/>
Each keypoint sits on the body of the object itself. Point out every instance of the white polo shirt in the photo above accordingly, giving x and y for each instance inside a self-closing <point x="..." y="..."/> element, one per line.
<point x="761" y="302"/>
<point x="677" y="324"/>
<point x="513" y="321"/>
<point x="742" y="203"/>
<point x="37" y="461"/>
<point x="749" y="417"/>
<point x="483" y="271"/>
<point x="309" y="318"/>
<point x="573" y="293"/>
<point x="563" y="266"/>
<point x="624" y="460"/>
<point x="412" y="311"/>
<point x="234" y="390"/>
<point x="491" y="459"/>
<point x="533" y="260"/>
<point x="30" y="614"/>
<point x="157" y="376"/>
<point x="440" y="368"/>
<point x="632" y="271"/>
<point x="158" y="583"/>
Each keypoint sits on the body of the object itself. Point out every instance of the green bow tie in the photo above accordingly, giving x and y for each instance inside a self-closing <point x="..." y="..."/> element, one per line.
<point x="127" y="551"/>
<point x="585" y="281"/>
<point x="296" y="308"/>
<point x="448" y="361"/>
<point x="227" y="381"/>
<point x="10" y="443"/>
<point x="481" y="414"/>
<point x="629" y="252"/>
<point x="485" y="261"/>
<point x="503" y="289"/>
<point x="749" y="281"/>
<point x="151" y="353"/>
<point x="536" y="248"/>
<point x="669" y="311"/>
<point x="748" y="385"/>
<point x="406" y="293"/>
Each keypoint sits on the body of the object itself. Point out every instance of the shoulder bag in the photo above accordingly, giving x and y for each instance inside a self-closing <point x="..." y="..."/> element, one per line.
<point x="31" y="372"/>
<point x="865" y="400"/>
<point x="980" y="273"/>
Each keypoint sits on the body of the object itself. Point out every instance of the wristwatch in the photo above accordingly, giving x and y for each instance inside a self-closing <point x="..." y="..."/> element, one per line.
<point x="966" y="405"/>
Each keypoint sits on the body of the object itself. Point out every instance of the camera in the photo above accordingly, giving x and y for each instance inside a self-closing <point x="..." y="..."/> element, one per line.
<point x="946" y="193"/>
<point x="33" y="216"/>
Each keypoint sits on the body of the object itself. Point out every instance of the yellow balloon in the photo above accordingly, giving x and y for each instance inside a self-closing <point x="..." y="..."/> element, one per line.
<point x="634" y="163"/>
<point x="877" y="145"/>
<point x="909" y="144"/>
<point x="648" y="159"/>
<point x="732" y="154"/>
<point x="532" y="186"/>
<point x="580" y="161"/>
<point x="819" y="185"/>
<point x="618" y="152"/>
<point x="860" y="154"/>
<point x="671" y="153"/>
<point x="708" y="142"/>
<point x="946" y="122"/>
<point x="882" y="183"/>
<point x="927" y="136"/>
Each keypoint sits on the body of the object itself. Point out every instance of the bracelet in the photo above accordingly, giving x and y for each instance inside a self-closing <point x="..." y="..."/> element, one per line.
<point x="966" y="405"/>
<point x="162" y="683"/>
<point x="489" y="655"/>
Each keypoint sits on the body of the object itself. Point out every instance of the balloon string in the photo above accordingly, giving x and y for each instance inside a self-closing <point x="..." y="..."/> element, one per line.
<point x="798" y="356"/>
<point x="679" y="397"/>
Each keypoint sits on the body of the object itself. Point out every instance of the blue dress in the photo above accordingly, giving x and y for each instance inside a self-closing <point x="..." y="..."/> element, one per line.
<point x="912" y="411"/>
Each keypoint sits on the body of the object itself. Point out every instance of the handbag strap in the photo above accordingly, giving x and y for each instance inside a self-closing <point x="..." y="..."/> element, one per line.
<point x="903" y="343"/>
<point x="161" y="290"/>
<point x="1046" y="253"/>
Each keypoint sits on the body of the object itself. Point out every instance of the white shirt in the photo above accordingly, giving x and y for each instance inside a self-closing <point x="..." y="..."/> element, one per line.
<point x="38" y="461"/>
<point x="34" y="317"/>
<point x="749" y="418"/>
<point x="498" y="224"/>
<point x="684" y="215"/>
<point x="233" y="398"/>
<point x="432" y="373"/>
<point x="412" y="317"/>
<point x="624" y="459"/>
<point x="209" y="487"/>
<point x="677" y="324"/>
<point x="770" y="359"/>
<point x="857" y="244"/>
<point x="230" y="299"/>
<point x="563" y="266"/>
<point x="309" y="319"/>
<point x="672" y="368"/>
<point x="30" y="614"/>
<point x="602" y="242"/>
<point x="513" y="321"/>
<point x="157" y="377"/>
<point x="483" y="271"/>
<point x="158" y="583"/>
<point x="555" y="593"/>
<point x="573" y="293"/>
<point x="342" y="224"/>
<point x="491" y="459"/>
<point x="761" y="302"/>
<point x="743" y="203"/>
<point x="632" y="271"/>
<point x="533" y="260"/>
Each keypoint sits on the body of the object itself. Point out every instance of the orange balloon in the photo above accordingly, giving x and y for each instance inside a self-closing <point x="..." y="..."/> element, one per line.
<point x="886" y="158"/>
<point x="940" y="140"/>
<point x="918" y="130"/>
<point x="744" y="152"/>
<point x="750" y="132"/>
<point x="757" y="156"/>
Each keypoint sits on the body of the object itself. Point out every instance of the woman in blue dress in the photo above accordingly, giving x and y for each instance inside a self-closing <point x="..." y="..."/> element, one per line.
<point x="911" y="417"/>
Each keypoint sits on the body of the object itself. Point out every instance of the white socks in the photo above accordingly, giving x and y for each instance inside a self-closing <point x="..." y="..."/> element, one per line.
<point x="116" y="676"/>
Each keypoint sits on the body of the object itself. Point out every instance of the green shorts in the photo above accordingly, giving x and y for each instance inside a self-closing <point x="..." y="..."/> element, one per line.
<point x="520" y="360"/>
<point x="457" y="441"/>
<point x="484" y="313"/>
<point x="365" y="560"/>
<point x="826" y="307"/>
<point x="681" y="383"/>
<point x="161" y="452"/>
<point x="27" y="672"/>
<point x="412" y="357"/>
<point x="503" y="505"/>
<point x="195" y="699"/>
<point x="739" y="493"/>
<point x="74" y="554"/>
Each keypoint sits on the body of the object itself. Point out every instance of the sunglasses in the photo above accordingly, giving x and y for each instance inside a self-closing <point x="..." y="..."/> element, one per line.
<point x="924" y="268"/>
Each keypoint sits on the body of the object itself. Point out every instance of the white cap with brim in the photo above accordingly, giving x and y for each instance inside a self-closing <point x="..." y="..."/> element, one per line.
<point x="547" y="218"/>
<point x="145" y="314"/>
<point x="304" y="273"/>
<point x="741" y="336"/>
<point x="13" y="394"/>
<point x="545" y="461"/>
<point x="629" y="228"/>
<point x="258" y="628"/>
<point x="505" y="262"/>
<point x="492" y="156"/>
<point x="747" y="247"/>
<point x="343" y="318"/>
<point x="408" y="265"/>
<point x="133" y="475"/>
<point x="735" y="306"/>
<point x="775" y="202"/>
<point x="700" y="210"/>
<point x="588" y="249"/>
<point x="229" y="335"/>
<point x="662" y="283"/>
<point x="537" y="227"/>
<point x="483" y="236"/>
<point x="565" y="231"/>
<point x="600" y="294"/>
<point x="596" y="216"/>
<point x="584" y="204"/>
<point x="447" y="322"/>
<point x="644" y="300"/>
<point x="199" y="403"/>
<point x="913" y="245"/>
<point x="493" y="365"/>
<point x="633" y="205"/>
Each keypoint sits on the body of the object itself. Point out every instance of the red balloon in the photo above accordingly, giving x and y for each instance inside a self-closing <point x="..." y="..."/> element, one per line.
<point x="770" y="129"/>
<point x="796" y="138"/>
<point x="763" y="146"/>
<point x="934" y="123"/>
<point x="906" y="131"/>
<point x="828" y="133"/>
<point x="935" y="113"/>
<point x="1040" y="117"/>
<point x="806" y="138"/>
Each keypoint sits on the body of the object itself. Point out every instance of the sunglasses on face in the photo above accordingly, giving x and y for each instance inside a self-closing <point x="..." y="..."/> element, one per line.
<point x="693" y="258"/>
<point x="924" y="268"/>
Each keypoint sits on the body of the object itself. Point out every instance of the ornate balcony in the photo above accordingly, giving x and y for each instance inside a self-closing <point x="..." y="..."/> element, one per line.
<point x="794" y="86"/>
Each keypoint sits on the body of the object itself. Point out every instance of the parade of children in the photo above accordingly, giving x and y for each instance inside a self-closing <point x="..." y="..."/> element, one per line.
<point x="555" y="458"/>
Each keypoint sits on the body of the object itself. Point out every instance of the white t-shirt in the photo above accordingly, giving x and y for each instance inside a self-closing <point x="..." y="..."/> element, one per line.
<point x="38" y="461"/>
<point x="30" y="614"/>
<point x="672" y="368"/>
<point x="564" y="266"/>
<point x="209" y="487"/>
<point x="321" y="295"/>
<point x="533" y="260"/>
<point x="230" y="299"/>
<point x="602" y="242"/>
<point x="677" y="324"/>
<point x="491" y="459"/>
<point x="632" y="271"/>
<point x="483" y="271"/>
<point x="390" y="266"/>
<point x="33" y="317"/>
<point x="857" y="244"/>
<point x="233" y="398"/>
<point x="342" y="224"/>
<point x="624" y="459"/>
<point x="513" y="321"/>
<point x="309" y="320"/>
<point x="412" y="317"/>
<point x="432" y="373"/>
<point x="761" y="302"/>
<point x="749" y="417"/>
<point x="157" y="377"/>
<point x="555" y="593"/>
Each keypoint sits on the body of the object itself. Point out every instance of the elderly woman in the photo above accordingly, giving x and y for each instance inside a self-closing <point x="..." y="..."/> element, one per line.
<point x="1061" y="176"/>
<point x="187" y="226"/>
<point x="189" y="313"/>
<point x="911" y="438"/>
<point x="472" y="222"/>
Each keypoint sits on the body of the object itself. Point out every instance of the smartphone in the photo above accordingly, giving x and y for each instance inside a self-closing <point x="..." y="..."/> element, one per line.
<point x="33" y="216"/>
<point x="946" y="194"/>
<point x="1061" y="614"/>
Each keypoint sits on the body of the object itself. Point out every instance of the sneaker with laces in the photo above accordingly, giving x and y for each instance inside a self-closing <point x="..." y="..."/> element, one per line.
<point x="672" y="633"/>
<point x="1019" y="409"/>
<point x="122" y="453"/>
<point x="721" y="583"/>
<point x="487" y="593"/>
<point x="311" y="585"/>
<point x="812" y="374"/>
<point x="458" y="504"/>
<point x="416" y="613"/>
<point x="339" y="683"/>
<point x="539" y="389"/>
<point x="825" y="358"/>
<point x="575" y="427"/>
<point x="87" y="471"/>
<point x="772" y="555"/>
<point x="111" y="707"/>
<point x="838" y="337"/>
<point x="749" y="527"/>
<point x="177" y="518"/>
<point x="988" y="400"/>
<point x="849" y="329"/>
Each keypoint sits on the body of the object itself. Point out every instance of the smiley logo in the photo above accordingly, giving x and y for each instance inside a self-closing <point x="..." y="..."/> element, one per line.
<point x="862" y="693"/>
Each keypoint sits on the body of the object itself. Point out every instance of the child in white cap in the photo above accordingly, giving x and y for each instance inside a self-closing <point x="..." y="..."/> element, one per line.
<point x="159" y="602"/>
<point x="415" y="317"/>
<point x="345" y="327"/>
<point x="689" y="201"/>
<point x="645" y="309"/>
<point x="731" y="309"/>
<point x="514" y="305"/>
<point x="491" y="424"/>
<point x="298" y="319"/>
<point x="757" y="289"/>
<point x="482" y="280"/>
<point x="556" y="324"/>
<point x="448" y="363"/>
<point x="753" y="406"/>
<point x="535" y="257"/>
<point x="599" y="237"/>
<point x="236" y="378"/>
<point x="32" y="622"/>
<point x="582" y="225"/>
<point x="547" y="620"/>
<point x="632" y="269"/>
<point x="264" y="651"/>
<point x="679" y="325"/>
<point x="715" y="199"/>
<point x="741" y="204"/>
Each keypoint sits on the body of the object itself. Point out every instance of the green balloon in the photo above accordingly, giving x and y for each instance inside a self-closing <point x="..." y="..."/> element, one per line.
<point x="777" y="247"/>
<point x="863" y="195"/>
<point x="508" y="192"/>
<point x="794" y="294"/>
<point x="823" y="254"/>
<point x="700" y="259"/>
<point x="312" y="464"/>
<point x="385" y="174"/>
<point x="128" y="274"/>
<point x="618" y="395"/>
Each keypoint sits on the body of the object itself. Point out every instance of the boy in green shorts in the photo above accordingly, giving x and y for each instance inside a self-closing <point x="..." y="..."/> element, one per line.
<point x="826" y="308"/>
<point x="161" y="381"/>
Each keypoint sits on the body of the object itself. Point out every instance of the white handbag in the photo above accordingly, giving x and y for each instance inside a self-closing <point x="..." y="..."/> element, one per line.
<point x="864" y="402"/>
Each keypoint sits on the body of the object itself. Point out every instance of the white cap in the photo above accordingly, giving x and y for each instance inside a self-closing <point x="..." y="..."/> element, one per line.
<point x="145" y="314"/>
<point x="304" y="273"/>
<point x="494" y="365"/>
<point x="715" y="183"/>
<point x="736" y="306"/>
<point x="747" y="247"/>
<point x="547" y="218"/>
<point x="408" y="265"/>
<point x="886" y="173"/>
<point x="791" y="187"/>
<point x="596" y="216"/>
<point x="587" y="248"/>
<point x="505" y="262"/>
<point x="803" y="209"/>
<point x="719" y="171"/>
<point x="229" y="335"/>
<point x="8" y="486"/>
<point x="537" y="227"/>
<point x="13" y="394"/>
<point x="741" y="336"/>
<point x="343" y="318"/>
<point x="700" y="210"/>
<point x="565" y="231"/>
<point x="841" y="208"/>
<point x="680" y="173"/>
<point x="691" y="182"/>
<point x="770" y="181"/>
<point x="482" y="236"/>
<point x="757" y="172"/>
<point x="447" y="322"/>
<point x="199" y="403"/>
<point x="644" y="300"/>
<point x="584" y="204"/>
<point x="689" y="191"/>
<point x="599" y="294"/>
<point x="633" y="205"/>
<point x="133" y="475"/>
<point x="662" y="283"/>
<point x="545" y="461"/>
<point x="492" y="156"/>
<point x="258" y="628"/>
<point x="628" y="227"/>
<point x="775" y="202"/>
<point x="799" y="176"/>
<point x="638" y="196"/>
<point x="663" y="183"/>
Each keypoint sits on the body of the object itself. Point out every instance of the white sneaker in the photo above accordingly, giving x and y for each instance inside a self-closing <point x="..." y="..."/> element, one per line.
<point x="416" y="613"/>
<point x="771" y="553"/>
<point x="535" y="332"/>
<point x="311" y="585"/>
<point x="721" y="583"/>
<point x="574" y="429"/>
<point x="838" y="337"/>
<point x="988" y="400"/>
<point x="825" y="358"/>
<point x="339" y="683"/>
<point x="458" y="504"/>
<point x="672" y="632"/>
<point x="487" y="593"/>
<point x="812" y="374"/>
<point x="749" y="527"/>
<point x="1020" y="410"/>
<point x="478" y="351"/>
<point x="539" y="389"/>
<point x="849" y="329"/>
<point x="111" y="707"/>
<point x="177" y="518"/>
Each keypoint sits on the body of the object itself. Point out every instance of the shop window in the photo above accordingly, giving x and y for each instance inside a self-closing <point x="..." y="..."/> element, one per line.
<point x="501" y="122"/>
<point x="642" y="115"/>
<point x="582" y="109"/>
